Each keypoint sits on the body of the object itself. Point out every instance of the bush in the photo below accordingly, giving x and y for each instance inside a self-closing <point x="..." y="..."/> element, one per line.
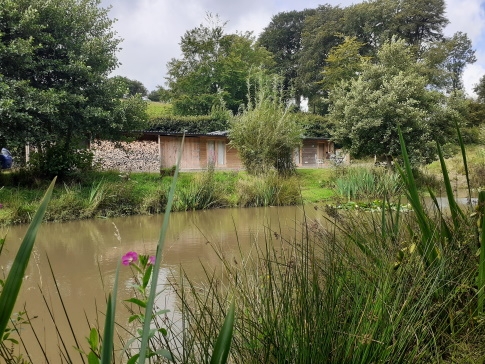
<point x="56" y="161"/>
<point x="265" y="133"/>
<point x="268" y="190"/>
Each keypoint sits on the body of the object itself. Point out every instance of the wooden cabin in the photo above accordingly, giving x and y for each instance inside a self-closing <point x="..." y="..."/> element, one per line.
<point x="155" y="150"/>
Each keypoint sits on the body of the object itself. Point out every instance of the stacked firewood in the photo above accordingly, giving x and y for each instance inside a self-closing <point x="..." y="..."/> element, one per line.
<point x="138" y="156"/>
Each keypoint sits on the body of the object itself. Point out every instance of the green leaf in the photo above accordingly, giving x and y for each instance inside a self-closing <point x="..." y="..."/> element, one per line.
<point x="146" y="276"/>
<point x="94" y="339"/>
<point x="164" y="353"/>
<point x="134" y="317"/>
<point x="133" y="359"/>
<point x="14" y="280"/>
<point x="106" y="351"/>
<point x="137" y="302"/>
<point x="92" y="358"/>
<point x="223" y="343"/>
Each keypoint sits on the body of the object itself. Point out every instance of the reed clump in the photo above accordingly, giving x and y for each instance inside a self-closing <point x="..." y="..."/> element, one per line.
<point x="364" y="183"/>
<point x="386" y="287"/>
<point x="269" y="189"/>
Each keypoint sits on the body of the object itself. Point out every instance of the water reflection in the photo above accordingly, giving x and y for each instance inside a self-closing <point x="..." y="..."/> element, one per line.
<point x="84" y="257"/>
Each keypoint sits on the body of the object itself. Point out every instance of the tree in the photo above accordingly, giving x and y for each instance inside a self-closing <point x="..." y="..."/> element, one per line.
<point x="132" y="87"/>
<point x="214" y="65"/>
<point x="55" y="58"/>
<point x="479" y="89"/>
<point x="320" y="34"/>
<point x="372" y="23"/>
<point x="282" y="37"/>
<point x="265" y="133"/>
<point x="343" y="63"/>
<point x="160" y="95"/>
<point x="447" y="60"/>
<point x="390" y="93"/>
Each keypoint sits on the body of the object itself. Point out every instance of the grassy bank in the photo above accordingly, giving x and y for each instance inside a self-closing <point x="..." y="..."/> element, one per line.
<point x="109" y="194"/>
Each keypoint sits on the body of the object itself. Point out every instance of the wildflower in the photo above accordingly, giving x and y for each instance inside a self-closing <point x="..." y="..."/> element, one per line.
<point x="151" y="260"/>
<point x="129" y="258"/>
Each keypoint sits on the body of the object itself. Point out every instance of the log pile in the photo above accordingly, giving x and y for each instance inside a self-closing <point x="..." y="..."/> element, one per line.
<point x="138" y="156"/>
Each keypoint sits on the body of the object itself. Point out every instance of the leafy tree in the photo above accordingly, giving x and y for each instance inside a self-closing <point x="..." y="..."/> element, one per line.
<point x="320" y="34"/>
<point x="213" y="65"/>
<point x="390" y="93"/>
<point x="132" y="87"/>
<point x="372" y="23"/>
<point x="55" y="58"/>
<point x="480" y="89"/>
<point x="343" y="63"/>
<point x="282" y="37"/>
<point x="417" y="21"/>
<point x="266" y="133"/>
<point x="447" y="60"/>
<point x="160" y="94"/>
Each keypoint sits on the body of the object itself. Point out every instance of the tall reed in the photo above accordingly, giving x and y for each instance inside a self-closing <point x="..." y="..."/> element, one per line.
<point x="393" y="287"/>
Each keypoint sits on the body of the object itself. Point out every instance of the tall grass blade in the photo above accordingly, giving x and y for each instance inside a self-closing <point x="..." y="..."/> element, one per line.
<point x="481" y="268"/>
<point x="158" y="260"/>
<point x="109" y="324"/>
<point x="463" y="154"/>
<point x="14" y="280"/>
<point x="223" y="343"/>
<point x="454" y="209"/>
<point x="445" y="230"/>
<point x="426" y="248"/>
<point x="108" y="332"/>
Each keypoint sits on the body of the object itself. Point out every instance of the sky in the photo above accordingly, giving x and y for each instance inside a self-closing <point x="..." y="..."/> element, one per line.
<point x="151" y="29"/>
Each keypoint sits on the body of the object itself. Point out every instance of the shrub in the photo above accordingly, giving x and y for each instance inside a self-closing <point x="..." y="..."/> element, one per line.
<point x="268" y="190"/>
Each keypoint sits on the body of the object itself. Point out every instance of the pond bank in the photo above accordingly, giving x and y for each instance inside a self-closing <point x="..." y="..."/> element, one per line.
<point x="110" y="194"/>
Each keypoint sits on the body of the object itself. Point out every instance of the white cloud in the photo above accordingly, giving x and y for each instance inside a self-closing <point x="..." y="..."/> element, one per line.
<point x="152" y="29"/>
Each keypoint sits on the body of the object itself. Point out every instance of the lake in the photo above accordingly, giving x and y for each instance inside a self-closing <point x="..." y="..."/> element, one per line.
<point x="84" y="256"/>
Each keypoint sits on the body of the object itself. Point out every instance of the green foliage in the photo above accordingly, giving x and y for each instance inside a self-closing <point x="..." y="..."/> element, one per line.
<point x="365" y="183"/>
<point x="268" y="190"/>
<point x="158" y="110"/>
<point x="371" y="23"/>
<point x="203" y="192"/>
<point x="160" y="95"/>
<point x="11" y="287"/>
<point x="189" y="124"/>
<point x="368" y="110"/>
<point x="55" y="58"/>
<point x="57" y="161"/>
<point x="282" y="37"/>
<point x="480" y="89"/>
<point x="265" y="133"/>
<point x="315" y="125"/>
<point x="131" y="87"/>
<point x="213" y="65"/>
<point x="343" y="63"/>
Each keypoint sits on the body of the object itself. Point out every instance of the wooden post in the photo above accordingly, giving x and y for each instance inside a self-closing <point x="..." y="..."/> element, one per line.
<point x="159" y="152"/>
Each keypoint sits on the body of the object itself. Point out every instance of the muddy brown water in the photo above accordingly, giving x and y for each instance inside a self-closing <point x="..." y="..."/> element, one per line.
<point x="84" y="256"/>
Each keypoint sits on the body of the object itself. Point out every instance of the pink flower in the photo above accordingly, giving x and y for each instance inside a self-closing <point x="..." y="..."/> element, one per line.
<point x="129" y="258"/>
<point x="151" y="260"/>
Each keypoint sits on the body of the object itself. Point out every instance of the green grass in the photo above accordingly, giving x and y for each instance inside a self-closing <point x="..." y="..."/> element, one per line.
<point x="109" y="194"/>
<point x="158" y="109"/>
<point x="316" y="184"/>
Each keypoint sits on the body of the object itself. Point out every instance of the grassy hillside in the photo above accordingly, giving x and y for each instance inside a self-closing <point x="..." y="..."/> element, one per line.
<point x="158" y="109"/>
